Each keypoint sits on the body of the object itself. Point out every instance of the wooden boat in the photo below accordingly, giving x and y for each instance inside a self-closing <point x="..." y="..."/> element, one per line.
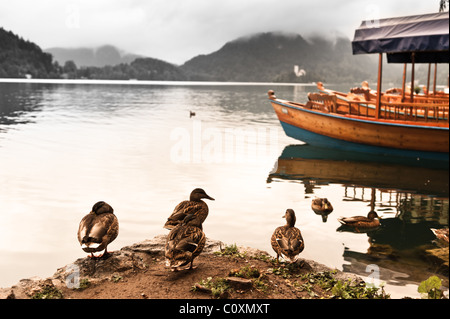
<point x="386" y="122"/>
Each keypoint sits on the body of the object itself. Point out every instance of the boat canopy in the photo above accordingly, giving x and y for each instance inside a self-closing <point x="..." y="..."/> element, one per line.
<point x="424" y="35"/>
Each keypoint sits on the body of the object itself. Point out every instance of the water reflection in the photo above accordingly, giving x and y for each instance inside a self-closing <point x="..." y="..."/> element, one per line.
<point x="411" y="195"/>
<point x="18" y="104"/>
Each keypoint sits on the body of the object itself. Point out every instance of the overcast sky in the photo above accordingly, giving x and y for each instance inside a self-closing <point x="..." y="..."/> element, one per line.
<point x="177" y="30"/>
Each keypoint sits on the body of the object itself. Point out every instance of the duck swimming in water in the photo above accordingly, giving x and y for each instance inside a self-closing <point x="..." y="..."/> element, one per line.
<point x="287" y="240"/>
<point x="321" y="206"/>
<point x="194" y="206"/>
<point x="184" y="243"/>
<point x="98" y="229"/>
<point x="362" y="223"/>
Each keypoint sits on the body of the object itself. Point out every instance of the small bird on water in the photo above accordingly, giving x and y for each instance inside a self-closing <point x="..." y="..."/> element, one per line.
<point x="98" y="229"/>
<point x="287" y="240"/>
<point x="194" y="206"/>
<point x="191" y="114"/>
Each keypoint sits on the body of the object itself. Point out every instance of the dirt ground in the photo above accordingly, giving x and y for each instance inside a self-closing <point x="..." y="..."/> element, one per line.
<point x="264" y="279"/>
<point x="139" y="272"/>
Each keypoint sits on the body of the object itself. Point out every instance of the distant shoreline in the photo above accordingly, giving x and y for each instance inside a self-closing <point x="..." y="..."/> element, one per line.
<point x="144" y="82"/>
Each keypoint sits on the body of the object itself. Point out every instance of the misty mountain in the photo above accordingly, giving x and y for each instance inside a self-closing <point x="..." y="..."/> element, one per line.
<point x="20" y="58"/>
<point x="97" y="57"/>
<point x="147" y="69"/>
<point x="272" y="57"/>
<point x="263" y="57"/>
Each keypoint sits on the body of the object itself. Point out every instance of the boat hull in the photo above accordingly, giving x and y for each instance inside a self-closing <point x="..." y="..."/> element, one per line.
<point x="357" y="134"/>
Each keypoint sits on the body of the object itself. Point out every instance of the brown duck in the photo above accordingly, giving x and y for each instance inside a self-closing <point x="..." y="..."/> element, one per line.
<point x="184" y="243"/>
<point x="287" y="240"/>
<point x="194" y="206"/>
<point x="98" y="229"/>
<point x="361" y="223"/>
<point x="321" y="206"/>
<point x="441" y="236"/>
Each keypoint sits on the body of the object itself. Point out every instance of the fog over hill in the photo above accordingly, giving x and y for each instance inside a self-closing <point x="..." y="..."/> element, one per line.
<point x="262" y="57"/>
<point x="98" y="57"/>
<point x="275" y="56"/>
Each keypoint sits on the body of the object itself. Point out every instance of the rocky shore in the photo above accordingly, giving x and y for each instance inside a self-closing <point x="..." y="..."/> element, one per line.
<point x="139" y="272"/>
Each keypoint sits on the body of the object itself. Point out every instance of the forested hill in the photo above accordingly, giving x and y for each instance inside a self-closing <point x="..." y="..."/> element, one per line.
<point x="272" y="57"/>
<point x="265" y="57"/>
<point x="20" y="58"/>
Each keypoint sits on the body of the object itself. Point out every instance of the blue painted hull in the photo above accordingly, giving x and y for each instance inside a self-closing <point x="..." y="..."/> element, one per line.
<point x="328" y="142"/>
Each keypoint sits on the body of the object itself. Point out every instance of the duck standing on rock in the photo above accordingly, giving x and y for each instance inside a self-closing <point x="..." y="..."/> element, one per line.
<point x="322" y="206"/>
<point x="185" y="242"/>
<point x="194" y="206"/>
<point x="98" y="229"/>
<point x="287" y="240"/>
<point x="362" y="223"/>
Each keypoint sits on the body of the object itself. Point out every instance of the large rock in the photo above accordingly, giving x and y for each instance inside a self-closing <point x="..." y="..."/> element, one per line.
<point x="129" y="258"/>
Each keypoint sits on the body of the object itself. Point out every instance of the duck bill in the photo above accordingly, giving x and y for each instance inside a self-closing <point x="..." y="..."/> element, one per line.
<point x="208" y="197"/>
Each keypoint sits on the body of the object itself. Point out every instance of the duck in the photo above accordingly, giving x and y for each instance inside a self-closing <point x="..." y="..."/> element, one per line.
<point x="321" y="206"/>
<point x="194" y="205"/>
<point x="184" y="243"/>
<point x="362" y="223"/>
<point x="441" y="236"/>
<point x="191" y="113"/>
<point x="287" y="240"/>
<point x="98" y="229"/>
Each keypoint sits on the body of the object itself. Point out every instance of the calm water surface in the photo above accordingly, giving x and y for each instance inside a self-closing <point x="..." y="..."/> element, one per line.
<point x="64" y="147"/>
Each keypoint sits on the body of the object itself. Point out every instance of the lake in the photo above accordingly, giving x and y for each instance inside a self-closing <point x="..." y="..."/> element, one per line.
<point x="66" y="145"/>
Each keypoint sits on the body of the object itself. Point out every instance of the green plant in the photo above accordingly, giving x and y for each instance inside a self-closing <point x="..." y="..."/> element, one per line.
<point x="324" y="279"/>
<point x="430" y="288"/>
<point x="116" y="278"/>
<point x="246" y="272"/>
<point x="261" y="285"/>
<point x="48" y="292"/>
<point x="230" y="250"/>
<point x="286" y="270"/>
<point x="218" y="287"/>
<point x="350" y="290"/>
<point x="84" y="283"/>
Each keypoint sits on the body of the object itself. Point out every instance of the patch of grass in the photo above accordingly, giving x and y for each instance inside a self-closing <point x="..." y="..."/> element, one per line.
<point x="253" y="273"/>
<point x="246" y="272"/>
<point x="286" y="270"/>
<point x="261" y="285"/>
<point x="349" y="290"/>
<point x="336" y="288"/>
<point x="324" y="279"/>
<point x="266" y="258"/>
<point x="116" y="278"/>
<point x="219" y="286"/>
<point x="232" y="251"/>
<point x="48" y="292"/>
<point x="84" y="283"/>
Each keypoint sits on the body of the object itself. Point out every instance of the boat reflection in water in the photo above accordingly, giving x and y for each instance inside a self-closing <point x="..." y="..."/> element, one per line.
<point x="412" y="195"/>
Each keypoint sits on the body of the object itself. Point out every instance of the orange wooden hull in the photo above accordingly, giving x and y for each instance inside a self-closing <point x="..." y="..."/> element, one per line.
<point x="404" y="135"/>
